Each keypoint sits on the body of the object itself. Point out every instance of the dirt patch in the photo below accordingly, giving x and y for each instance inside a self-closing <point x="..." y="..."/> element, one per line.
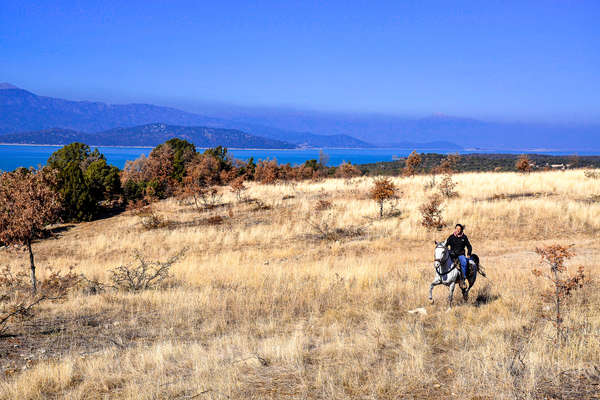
<point x="517" y="196"/>
<point x="593" y="199"/>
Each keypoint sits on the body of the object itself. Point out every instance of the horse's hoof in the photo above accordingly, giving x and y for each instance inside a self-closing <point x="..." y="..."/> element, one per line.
<point x="431" y="301"/>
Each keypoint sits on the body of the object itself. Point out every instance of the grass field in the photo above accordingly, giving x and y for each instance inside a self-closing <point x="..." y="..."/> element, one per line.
<point x="261" y="307"/>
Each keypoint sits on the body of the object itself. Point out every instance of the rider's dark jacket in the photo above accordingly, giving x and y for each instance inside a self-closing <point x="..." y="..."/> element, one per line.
<point x="458" y="243"/>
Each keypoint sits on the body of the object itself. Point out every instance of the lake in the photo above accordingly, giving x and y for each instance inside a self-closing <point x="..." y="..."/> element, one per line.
<point x="14" y="156"/>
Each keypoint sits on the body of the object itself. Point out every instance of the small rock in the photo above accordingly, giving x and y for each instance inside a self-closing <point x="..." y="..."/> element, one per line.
<point x="419" y="310"/>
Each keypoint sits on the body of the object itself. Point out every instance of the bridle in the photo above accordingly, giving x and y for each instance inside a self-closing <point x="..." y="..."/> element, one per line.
<point x="444" y="257"/>
<point x="442" y="262"/>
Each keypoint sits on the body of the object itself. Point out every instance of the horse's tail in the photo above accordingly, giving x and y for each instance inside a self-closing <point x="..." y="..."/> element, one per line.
<point x="475" y="259"/>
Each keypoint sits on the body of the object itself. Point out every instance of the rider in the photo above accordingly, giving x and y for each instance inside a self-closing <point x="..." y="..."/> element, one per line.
<point x="457" y="242"/>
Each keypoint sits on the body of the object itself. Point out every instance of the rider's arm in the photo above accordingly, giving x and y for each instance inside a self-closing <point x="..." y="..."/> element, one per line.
<point x="469" y="247"/>
<point x="448" y="241"/>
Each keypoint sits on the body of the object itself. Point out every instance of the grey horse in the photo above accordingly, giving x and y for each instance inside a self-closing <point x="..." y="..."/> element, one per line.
<point x="447" y="271"/>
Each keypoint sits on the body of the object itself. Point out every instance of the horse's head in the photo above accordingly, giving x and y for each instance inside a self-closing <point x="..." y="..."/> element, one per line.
<point x="440" y="253"/>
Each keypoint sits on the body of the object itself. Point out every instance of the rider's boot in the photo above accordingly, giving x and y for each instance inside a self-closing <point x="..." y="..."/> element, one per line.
<point x="461" y="279"/>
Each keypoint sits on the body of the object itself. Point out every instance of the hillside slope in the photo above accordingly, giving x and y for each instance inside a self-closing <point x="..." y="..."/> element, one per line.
<point x="148" y="135"/>
<point x="262" y="305"/>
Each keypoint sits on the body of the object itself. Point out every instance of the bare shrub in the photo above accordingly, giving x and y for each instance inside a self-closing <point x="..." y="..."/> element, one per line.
<point x="447" y="186"/>
<point x="448" y="164"/>
<point x="382" y="191"/>
<point x="555" y="257"/>
<point x="322" y="204"/>
<point x="431" y="213"/>
<point x="203" y="198"/>
<point x="214" y="220"/>
<point x="16" y="300"/>
<point x="151" y="220"/>
<point x="325" y="228"/>
<point x="210" y="198"/>
<point x="237" y="187"/>
<point x="145" y="274"/>
<point x="198" y="184"/>
<point x="347" y="170"/>
<point x="591" y="174"/>
<point x="523" y="164"/>
<point x="447" y="167"/>
<point x="260" y="205"/>
<point x="138" y="206"/>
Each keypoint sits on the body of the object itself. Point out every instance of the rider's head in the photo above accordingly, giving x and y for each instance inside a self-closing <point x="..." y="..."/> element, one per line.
<point x="458" y="229"/>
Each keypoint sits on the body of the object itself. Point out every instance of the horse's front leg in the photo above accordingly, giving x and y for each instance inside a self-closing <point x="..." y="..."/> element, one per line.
<point x="451" y="294"/>
<point x="435" y="282"/>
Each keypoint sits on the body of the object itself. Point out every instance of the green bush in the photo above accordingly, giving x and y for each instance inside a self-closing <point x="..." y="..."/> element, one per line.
<point x="84" y="179"/>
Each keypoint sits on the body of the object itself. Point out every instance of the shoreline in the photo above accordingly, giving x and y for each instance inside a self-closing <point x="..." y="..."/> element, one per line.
<point x="420" y="150"/>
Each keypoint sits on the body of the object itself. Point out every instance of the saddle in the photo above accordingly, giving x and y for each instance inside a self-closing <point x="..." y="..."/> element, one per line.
<point x="472" y="267"/>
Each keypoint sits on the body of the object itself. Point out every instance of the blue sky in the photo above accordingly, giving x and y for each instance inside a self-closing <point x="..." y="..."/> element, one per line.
<point x="498" y="60"/>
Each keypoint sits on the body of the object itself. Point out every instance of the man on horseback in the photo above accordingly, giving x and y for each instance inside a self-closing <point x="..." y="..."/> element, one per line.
<point x="457" y="243"/>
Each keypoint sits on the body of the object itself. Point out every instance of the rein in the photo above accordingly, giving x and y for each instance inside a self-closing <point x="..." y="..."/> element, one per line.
<point x="443" y="262"/>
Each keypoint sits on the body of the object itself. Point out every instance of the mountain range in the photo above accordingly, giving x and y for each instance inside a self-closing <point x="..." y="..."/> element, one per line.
<point x="27" y="118"/>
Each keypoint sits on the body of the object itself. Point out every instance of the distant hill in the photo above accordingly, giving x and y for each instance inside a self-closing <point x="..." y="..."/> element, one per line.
<point x="386" y="130"/>
<point x="23" y="111"/>
<point x="148" y="135"/>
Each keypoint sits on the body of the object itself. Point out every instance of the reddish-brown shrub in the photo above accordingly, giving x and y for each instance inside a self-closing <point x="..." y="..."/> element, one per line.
<point x="346" y="170"/>
<point x="322" y="204"/>
<point x="555" y="257"/>
<point x="27" y="205"/>
<point x="266" y="171"/>
<point x="237" y="187"/>
<point x="448" y="164"/>
<point x="383" y="190"/>
<point x="447" y="186"/>
<point x="412" y="163"/>
<point x="431" y="213"/>
<point x="523" y="164"/>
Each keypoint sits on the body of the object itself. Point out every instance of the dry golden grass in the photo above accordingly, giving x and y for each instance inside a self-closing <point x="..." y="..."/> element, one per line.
<point x="260" y="308"/>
